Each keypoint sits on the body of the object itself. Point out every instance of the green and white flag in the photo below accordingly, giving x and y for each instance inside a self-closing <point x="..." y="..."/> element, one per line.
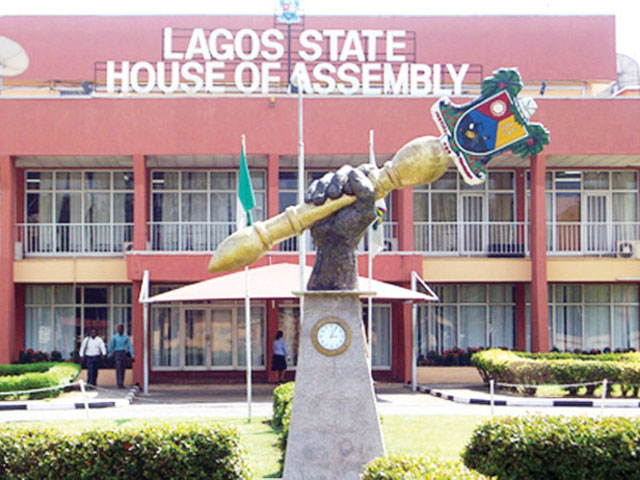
<point x="246" y="198"/>
<point x="376" y="231"/>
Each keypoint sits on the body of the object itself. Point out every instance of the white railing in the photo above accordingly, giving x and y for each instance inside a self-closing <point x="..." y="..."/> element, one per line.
<point x="390" y="232"/>
<point x="189" y="236"/>
<point x="63" y="239"/>
<point x="589" y="238"/>
<point x="472" y="238"/>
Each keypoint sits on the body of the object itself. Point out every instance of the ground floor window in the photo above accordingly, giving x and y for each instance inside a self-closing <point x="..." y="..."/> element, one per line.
<point x="58" y="317"/>
<point x="204" y="336"/>
<point x="593" y="316"/>
<point x="468" y="316"/>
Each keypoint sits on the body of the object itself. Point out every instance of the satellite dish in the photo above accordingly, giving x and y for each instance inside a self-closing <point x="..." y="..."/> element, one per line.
<point x="628" y="71"/>
<point x="13" y="59"/>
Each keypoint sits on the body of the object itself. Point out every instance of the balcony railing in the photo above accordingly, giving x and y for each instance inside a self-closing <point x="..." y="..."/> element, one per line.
<point x="472" y="238"/>
<point x="390" y="232"/>
<point x="189" y="237"/>
<point x="593" y="238"/>
<point x="57" y="239"/>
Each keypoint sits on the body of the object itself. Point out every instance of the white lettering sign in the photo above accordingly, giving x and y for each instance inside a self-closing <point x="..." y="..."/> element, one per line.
<point x="327" y="62"/>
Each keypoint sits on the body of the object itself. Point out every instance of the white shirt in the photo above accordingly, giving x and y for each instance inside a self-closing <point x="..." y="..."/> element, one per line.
<point x="92" y="347"/>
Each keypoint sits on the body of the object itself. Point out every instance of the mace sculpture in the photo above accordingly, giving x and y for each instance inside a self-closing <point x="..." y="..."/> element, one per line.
<point x="334" y="428"/>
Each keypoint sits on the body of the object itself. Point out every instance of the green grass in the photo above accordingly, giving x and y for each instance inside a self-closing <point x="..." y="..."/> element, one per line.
<point x="443" y="435"/>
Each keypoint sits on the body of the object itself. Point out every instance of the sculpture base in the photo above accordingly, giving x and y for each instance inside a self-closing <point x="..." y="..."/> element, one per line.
<point x="335" y="428"/>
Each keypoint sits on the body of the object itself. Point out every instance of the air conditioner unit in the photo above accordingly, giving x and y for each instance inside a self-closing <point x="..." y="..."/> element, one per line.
<point x="628" y="249"/>
<point x="127" y="247"/>
<point x="390" y="245"/>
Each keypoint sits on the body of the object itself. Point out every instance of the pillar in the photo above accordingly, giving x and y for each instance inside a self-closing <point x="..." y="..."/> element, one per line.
<point x="521" y="317"/>
<point x="401" y="341"/>
<point x="539" y="283"/>
<point x="8" y="199"/>
<point x="273" y="188"/>
<point x="138" y="329"/>
<point x="141" y="197"/>
<point x="272" y="329"/>
<point x="405" y="219"/>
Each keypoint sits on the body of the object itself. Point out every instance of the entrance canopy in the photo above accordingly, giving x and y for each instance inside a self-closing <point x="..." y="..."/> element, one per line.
<point x="277" y="281"/>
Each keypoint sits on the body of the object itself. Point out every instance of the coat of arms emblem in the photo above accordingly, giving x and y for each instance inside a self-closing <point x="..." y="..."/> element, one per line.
<point x="496" y="122"/>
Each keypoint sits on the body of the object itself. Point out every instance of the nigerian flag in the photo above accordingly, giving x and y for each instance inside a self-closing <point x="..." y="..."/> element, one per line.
<point x="246" y="199"/>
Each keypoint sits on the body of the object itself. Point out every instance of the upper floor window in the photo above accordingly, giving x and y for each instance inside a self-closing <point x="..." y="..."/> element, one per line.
<point x="196" y="210"/>
<point x="78" y="211"/>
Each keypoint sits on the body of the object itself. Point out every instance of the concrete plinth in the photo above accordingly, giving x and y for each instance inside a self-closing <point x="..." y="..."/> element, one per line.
<point x="335" y="428"/>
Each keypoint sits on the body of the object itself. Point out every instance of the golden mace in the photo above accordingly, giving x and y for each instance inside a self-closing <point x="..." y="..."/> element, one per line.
<point x="422" y="160"/>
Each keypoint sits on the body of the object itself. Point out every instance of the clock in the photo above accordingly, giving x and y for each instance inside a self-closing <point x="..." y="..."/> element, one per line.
<point x="331" y="336"/>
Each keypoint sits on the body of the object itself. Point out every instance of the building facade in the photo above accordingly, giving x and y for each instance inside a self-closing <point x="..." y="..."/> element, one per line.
<point x="119" y="149"/>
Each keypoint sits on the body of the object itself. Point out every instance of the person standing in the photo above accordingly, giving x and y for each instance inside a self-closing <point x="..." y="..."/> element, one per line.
<point x="120" y="347"/>
<point x="280" y="356"/>
<point x="92" y="350"/>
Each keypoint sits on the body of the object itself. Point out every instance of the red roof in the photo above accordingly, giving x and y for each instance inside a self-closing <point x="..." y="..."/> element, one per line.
<point x="273" y="281"/>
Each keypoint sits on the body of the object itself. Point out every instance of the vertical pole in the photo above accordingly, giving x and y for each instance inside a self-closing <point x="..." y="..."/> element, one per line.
<point x="604" y="396"/>
<point x="247" y="337"/>
<point x="370" y="272"/>
<point x="288" y="54"/>
<point x="84" y="396"/>
<point x="302" y="247"/>
<point x="145" y="340"/>
<point x="414" y="339"/>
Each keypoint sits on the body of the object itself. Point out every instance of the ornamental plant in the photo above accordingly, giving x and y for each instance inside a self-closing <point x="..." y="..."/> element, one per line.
<point x="568" y="448"/>
<point x="411" y="467"/>
<point x="14" y="378"/>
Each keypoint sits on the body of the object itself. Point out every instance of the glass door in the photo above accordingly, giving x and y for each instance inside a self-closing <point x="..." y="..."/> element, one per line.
<point x="195" y="337"/>
<point x="473" y="238"/>
<point x="597" y="236"/>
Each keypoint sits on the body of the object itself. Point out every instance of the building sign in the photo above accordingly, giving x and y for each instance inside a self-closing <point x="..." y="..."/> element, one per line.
<point x="288" y="11"/>
<point x="329" y="61"/>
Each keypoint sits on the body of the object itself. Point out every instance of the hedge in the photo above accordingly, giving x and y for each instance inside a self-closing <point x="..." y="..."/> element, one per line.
<point x="417" y="468"/>
<point x="37" y="375"/>
<point x="150" y="452"/>
<point x="531" y="448"/>
<point x="281" y="419"/>
<point x="560" y="368"/>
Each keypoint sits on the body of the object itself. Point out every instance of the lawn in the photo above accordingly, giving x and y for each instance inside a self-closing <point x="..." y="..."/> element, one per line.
<point x="443" y="435"/>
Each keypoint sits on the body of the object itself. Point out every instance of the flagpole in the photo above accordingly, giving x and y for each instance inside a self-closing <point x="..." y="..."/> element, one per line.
<point x="247" y="320"/>
<point x="414" y="339"/>
<point x="370" y="270"/>
<point x="302" y="247"/>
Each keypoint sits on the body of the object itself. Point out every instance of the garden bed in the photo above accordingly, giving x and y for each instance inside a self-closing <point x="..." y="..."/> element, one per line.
<point x="33" y="376"/>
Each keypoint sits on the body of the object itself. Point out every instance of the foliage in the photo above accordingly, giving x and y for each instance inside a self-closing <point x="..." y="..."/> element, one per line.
<point x="454" y="357"/>
<point x="502" y="79"/>
<point x="35" y="376"/>
<point x="282" y="403"/>
<point x="33" y="356"/>
<point x="411" y="467"/>
<point x="560" y="368"/>
<point x="161" y="451"/>
<point x="282" y="396"/>
<point x="566" y="448"/>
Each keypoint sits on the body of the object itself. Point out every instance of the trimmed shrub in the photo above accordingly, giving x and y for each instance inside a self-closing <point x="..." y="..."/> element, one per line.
<point x="558" y="368"/>
<point x="37" y="375"/>
<point x="281" y="419"/>
<point x="151" y="452"/>
<point x="417" y="468"/>
<point x="282" y="396"/>
<point x="531" y="448"/>
<point x="454" y="357"/>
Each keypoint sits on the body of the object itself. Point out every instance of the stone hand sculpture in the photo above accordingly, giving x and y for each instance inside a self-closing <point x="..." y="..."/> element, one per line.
<point x="337" y="237"/>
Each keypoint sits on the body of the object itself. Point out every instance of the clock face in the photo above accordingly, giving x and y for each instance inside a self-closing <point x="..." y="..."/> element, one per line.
<point x="331" y="336"/>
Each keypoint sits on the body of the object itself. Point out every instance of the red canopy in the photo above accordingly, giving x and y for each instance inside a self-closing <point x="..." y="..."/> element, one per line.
<point x="273" y="281"/>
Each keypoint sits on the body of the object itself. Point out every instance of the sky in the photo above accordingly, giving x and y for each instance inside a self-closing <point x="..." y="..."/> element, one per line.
<point x="627" y="12"/>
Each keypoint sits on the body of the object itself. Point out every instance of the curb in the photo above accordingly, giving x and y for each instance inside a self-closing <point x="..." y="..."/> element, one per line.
<point x="531" y="402"/>
<point x="124" y="402"/>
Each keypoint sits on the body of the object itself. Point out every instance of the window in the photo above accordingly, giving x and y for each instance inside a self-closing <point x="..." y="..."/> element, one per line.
<point x="468" y="316"/>
<point x="196" y="210"/>
<point x="58" y="317"/>
<point x="205" y="337"/>
<point x="590" y="211"/>
<point x="453" y="217"/>
<point x="78" y="211"/>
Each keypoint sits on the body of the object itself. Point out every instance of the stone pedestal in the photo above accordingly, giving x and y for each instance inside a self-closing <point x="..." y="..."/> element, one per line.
<point x="335" y="428"/>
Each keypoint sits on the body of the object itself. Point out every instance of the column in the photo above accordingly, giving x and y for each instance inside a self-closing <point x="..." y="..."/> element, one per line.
<point x="404" y="216"/>
<point x="272" y="329"/>
<point x="539" y="283"/>
<point x="401" y="341"/>
<point x="273" y="190"/>
<point x="141" y="196"/>
<point x="8" y="198"/>
<point x="138" y="329"/>
<point x="521" y="318"/>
